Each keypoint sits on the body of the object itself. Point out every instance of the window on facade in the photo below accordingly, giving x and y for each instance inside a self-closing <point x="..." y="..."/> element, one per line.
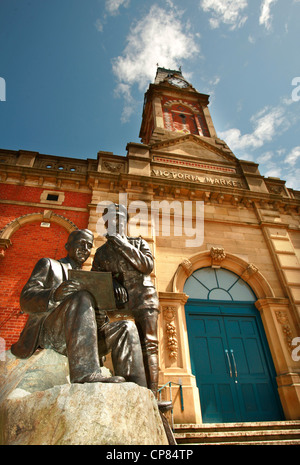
<point x="53" y="197"/>
<point x="218" y="284"/>
<point x="183" y="120"/>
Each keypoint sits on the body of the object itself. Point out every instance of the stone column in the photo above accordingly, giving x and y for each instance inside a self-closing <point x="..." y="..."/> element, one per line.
<point x="280" y="332"/>
<point x="175" y="365"/>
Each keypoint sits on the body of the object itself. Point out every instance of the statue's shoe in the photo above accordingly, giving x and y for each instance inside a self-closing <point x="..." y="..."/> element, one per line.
<point x="164" y="405"/>
<point x="98" y="378"/>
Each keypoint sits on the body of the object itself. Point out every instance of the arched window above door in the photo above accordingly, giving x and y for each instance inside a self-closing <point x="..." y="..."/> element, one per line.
<point x="218" y="284"/>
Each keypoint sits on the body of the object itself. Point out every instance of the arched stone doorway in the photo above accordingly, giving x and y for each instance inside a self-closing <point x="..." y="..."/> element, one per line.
<point x="275" y="321"/>
<point x="229" y="352"/>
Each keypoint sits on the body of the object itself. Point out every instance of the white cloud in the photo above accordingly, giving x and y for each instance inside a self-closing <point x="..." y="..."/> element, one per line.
<point x="270" y="167"/>
<point x="160" y="37"/>
<point x="266" y="124"/>
<point x="215" y="81"/>
<point x="265" y="13"/>
<point x="271" y="163"/>
<point x="112" y="6"/>
<point x="111" y="9"/>
<point x="293" y="156"/>
<point x="273" y="172"/>
<point x="292" y="179"/>
<point x="267" y="156"/>
<point x="99" y="25"/>
<point x="225" y="11"/>
<point x="124" y="90"/>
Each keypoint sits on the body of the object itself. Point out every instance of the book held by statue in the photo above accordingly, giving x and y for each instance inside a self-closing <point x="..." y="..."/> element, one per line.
<point x="99" y="284"/>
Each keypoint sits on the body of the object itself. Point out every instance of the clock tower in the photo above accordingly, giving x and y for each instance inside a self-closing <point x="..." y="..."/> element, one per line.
<point x="174" y="108"/>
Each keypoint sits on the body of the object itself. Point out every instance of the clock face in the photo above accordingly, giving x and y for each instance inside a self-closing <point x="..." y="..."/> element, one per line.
<point x="178" y="82"/>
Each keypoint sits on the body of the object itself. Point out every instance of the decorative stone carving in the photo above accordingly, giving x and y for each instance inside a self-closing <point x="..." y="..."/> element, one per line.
<point x="112" y="167"/>
<point x="187" y="266"/>
<point x="235" y="200"/>
<point x="60" y="165"/>
<point x="217" y="255"/>
<point x="275" y="189"/>
<point x="4" y="244"/>
<point x="283" y="320"/>
<point x="247" y="202"/>
<point x="250" y="271"/>
<point x="169" y="313"/>
<point x="8" y="159"/>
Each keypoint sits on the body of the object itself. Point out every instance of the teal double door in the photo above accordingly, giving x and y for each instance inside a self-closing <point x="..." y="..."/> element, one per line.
<point x="231" y="361"/>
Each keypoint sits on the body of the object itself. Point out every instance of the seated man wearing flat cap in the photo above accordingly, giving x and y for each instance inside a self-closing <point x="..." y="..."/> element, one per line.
<point x="63" y="317"/>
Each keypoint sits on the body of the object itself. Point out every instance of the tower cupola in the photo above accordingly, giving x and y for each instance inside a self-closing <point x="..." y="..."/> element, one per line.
<point x="173" y="107"/>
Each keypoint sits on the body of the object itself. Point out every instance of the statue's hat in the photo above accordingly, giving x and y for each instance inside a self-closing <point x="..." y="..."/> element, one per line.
<point x="116" y="209"/>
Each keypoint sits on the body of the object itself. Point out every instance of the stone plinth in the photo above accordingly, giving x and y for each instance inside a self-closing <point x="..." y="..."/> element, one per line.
<point x="72" y="414"/>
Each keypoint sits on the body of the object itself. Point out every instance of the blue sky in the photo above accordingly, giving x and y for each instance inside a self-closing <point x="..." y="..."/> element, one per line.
<point x="76" y="72"/>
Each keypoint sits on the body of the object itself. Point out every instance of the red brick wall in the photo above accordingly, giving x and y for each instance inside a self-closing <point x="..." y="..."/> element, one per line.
<point x="30" y="243"/>
<point x="33" y="194"/>
<point x="9" y="212"/>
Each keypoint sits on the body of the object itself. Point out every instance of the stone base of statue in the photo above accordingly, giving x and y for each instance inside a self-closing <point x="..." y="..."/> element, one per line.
<point x="38" y="406"/>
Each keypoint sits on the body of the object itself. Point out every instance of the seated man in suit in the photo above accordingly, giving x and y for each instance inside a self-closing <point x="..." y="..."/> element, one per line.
<point x="63" y="317"/>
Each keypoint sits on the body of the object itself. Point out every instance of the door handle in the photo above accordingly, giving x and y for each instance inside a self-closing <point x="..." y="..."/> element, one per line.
<point x="229" y="364"/>
<point x="235" y="369"/>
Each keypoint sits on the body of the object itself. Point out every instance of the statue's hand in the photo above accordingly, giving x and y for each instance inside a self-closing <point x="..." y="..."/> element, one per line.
<point x="120" y="293"/>
<point x="117" y="239"/>
<point x="66" y="289"/>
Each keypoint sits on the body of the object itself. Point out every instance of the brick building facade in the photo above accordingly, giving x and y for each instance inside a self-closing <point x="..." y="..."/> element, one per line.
<point x="34" y="223"/>
<point x="230" y="305"/>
